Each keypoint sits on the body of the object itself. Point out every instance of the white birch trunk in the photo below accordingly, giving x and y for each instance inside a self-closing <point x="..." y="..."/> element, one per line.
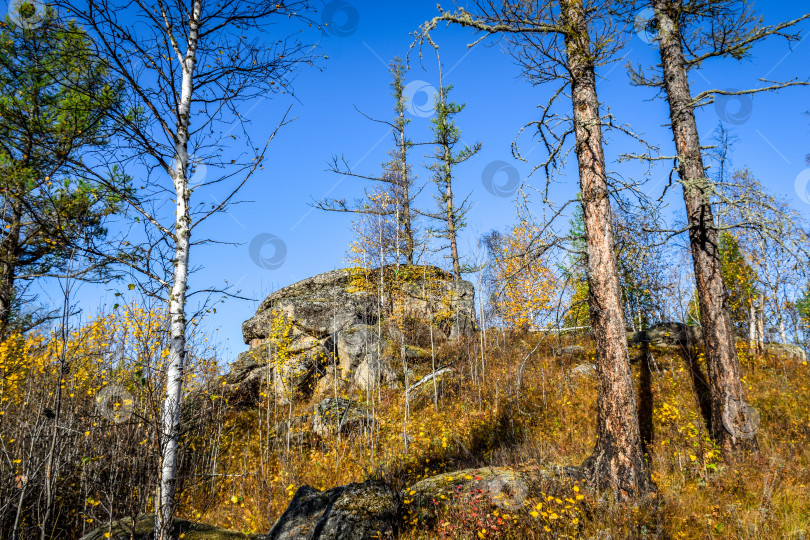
<point x="752" y="327"/>
<point x="170" y="418"/>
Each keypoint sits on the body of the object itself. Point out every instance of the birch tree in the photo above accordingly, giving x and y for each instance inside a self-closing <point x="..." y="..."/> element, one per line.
<point x="565" y="41"/>
<point x="769" y="231"/>
<point x="688" y="34"/>
<point x="189" y="68"/>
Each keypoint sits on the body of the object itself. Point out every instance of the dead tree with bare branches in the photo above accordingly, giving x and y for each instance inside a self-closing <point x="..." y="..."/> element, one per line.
<point x="565" y="41"/>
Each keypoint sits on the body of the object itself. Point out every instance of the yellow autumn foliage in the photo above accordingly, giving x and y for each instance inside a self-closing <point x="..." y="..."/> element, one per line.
<point x="527" y="287"/>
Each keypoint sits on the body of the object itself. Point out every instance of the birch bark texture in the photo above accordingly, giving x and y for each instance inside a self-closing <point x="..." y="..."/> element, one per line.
<point x="170" y="414"/>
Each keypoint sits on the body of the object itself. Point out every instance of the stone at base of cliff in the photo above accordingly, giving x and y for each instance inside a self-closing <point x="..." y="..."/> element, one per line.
<point x="792" y="353"/>
<point x="351" y="512"/>
<point x="333" y="415"/>
<point x="143" y="529"/>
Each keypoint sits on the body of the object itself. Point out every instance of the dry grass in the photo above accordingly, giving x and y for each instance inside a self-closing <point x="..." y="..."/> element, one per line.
<point x="485" y="417"/>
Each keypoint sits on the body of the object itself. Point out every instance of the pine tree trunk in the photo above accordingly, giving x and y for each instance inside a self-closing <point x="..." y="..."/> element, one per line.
<point x="731" y="425"/>
<point x="8" y="255"/>
<point x="170" y="417"/>
<point x="617" y="461"/>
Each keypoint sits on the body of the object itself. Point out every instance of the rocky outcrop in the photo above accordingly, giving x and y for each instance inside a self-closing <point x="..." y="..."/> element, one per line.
<point x="673" y="334"/>
<point x="667" y="334"/>
<point x="503" y="487"/>
<point x="340" y="329"/>
<point x="323" y="305"/>
<point x="352" y="512"/>
<point x="373" y="509"/>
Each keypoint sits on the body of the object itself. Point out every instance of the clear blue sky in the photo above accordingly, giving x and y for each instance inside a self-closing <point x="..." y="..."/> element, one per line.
<point x="773" y="137"/>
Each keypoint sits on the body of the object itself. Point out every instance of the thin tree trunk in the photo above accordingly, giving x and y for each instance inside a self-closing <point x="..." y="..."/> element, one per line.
<point x="752" y="328"/>
<point x="170" y="417"/>
<point x="50" y="472"/>
<point x="451" y="230"/>
<point x="736" y="432"/>
<point x="405" y="191"/>
<point x="617" y="461"/>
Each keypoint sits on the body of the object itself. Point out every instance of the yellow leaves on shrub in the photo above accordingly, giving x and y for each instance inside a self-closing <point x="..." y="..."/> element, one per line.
<point x="529" y="286"/>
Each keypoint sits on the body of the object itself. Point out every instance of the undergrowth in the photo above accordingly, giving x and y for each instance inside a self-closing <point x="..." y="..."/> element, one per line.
<point x="522" y="406"/>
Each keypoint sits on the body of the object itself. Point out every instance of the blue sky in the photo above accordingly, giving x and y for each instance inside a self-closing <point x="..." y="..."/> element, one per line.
<point x="773" y="136"/>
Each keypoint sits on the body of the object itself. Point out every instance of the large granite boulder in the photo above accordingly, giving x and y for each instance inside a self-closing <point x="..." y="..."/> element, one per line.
<point x="352" y="512"/>
<point x="319" y="306"/>
<point x="373" y="509"/>
<point x="342" y="325"/>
